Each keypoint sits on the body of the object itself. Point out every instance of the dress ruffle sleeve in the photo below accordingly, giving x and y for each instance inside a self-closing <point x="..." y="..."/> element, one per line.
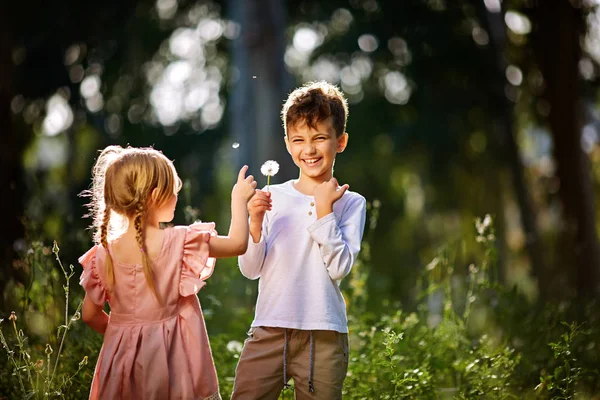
<point x="90" y="280"/>
<point x="197" y="265"/>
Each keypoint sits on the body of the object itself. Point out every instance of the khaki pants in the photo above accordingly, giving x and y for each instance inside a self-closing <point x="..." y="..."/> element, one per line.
<point x="260" y="370"/>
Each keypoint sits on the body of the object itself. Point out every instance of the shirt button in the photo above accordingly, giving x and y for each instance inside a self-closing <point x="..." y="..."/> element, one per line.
<point x="312" y="204"/>
<point x="310" y="213"/>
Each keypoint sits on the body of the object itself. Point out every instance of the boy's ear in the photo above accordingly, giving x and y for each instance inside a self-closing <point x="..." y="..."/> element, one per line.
<point x="342" y="142"/>
<point x="287" y="144"/>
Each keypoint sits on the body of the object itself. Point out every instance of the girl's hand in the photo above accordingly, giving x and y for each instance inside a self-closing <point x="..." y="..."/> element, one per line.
<point x="326" y="194"/>
<point x="236" y="242"/>
<point x="244" y="187"/>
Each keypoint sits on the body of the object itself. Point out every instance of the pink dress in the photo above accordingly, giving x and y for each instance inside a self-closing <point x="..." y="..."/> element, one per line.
<point x="152" y="351"/>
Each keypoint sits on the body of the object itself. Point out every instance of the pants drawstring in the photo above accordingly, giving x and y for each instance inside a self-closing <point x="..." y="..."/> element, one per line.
<point x="285" y="347"/>
<point x="311" y="388"/>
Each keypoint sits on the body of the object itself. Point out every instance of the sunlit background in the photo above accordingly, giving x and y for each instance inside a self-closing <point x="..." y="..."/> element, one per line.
<point x="458" y="109"/>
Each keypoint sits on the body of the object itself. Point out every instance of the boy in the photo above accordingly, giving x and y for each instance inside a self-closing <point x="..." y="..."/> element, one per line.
<point x="305" y="235"/>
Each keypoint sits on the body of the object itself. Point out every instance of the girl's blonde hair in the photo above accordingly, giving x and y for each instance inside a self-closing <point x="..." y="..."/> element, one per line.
<point x="127" y="181"/>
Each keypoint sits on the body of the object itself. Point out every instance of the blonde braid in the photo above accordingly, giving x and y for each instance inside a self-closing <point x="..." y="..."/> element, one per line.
<point x="138" y="220"/>
<point x="110" y="273"/>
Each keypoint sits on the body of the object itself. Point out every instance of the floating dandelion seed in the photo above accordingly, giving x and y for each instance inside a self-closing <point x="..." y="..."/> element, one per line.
<point x="269" y="168"/>
<point x="253" y="76"/>
<point x="235" y="145"/>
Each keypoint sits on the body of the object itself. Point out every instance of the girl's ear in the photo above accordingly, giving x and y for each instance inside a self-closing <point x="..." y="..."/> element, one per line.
<point x="153" y="196"/>
<point x="342" y="142"/>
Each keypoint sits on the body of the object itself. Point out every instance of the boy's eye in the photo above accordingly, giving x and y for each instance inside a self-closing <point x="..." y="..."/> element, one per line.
<point x="297" y="140"/>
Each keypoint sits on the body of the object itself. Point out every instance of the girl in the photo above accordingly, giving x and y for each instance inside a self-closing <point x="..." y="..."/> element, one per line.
<point x="155" y="341"/>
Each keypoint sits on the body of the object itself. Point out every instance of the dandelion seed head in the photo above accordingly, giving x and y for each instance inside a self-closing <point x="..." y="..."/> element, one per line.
<point x="269" y="168"/>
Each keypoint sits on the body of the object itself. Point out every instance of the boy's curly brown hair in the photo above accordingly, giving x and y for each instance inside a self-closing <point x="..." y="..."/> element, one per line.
<point x="314" y="102"/>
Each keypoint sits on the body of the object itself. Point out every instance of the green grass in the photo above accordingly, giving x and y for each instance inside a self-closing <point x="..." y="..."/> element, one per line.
<point x="474" y="339"/>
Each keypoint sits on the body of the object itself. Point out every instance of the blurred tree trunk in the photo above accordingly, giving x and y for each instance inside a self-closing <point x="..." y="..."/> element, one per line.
<point x="558" y="28"/>
<point x="497" y="29"/>
<point x="11" y="152"/>
<point x="261" y="86"/>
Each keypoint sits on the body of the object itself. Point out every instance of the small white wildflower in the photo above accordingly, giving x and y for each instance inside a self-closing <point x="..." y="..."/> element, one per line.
<point x="234" y="346"/>
<point x="487" y="220"/>
<point x="473" y="269"/>
<point x="483" y="225"/>
<point x="479" y="226"/>
<point x="431" y="266"/>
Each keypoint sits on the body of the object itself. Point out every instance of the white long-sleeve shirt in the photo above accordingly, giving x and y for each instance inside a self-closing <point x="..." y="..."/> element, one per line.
<point x="301" y="260"/>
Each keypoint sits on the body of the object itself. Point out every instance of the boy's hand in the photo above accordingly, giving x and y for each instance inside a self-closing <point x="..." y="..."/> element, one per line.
<point x="326" y="194"/>
<point x="259" y="204"/>
<point x="257" y="207"/>
<point x="244" y="187"/>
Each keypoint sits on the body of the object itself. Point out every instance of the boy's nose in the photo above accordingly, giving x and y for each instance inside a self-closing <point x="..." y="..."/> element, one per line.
<point x="309" y="148"/>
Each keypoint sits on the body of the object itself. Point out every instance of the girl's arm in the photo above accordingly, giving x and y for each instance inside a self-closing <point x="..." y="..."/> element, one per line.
<point x="94" y="316"/>
<point x="236" y="242"/>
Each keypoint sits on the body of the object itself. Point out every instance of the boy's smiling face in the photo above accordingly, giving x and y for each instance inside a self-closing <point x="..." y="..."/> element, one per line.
<point x="314" y="150"/>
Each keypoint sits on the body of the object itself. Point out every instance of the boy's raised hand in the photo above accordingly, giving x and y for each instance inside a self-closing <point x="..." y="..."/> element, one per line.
<point x="244" y="187"/>
<point x="326" y="194"/>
